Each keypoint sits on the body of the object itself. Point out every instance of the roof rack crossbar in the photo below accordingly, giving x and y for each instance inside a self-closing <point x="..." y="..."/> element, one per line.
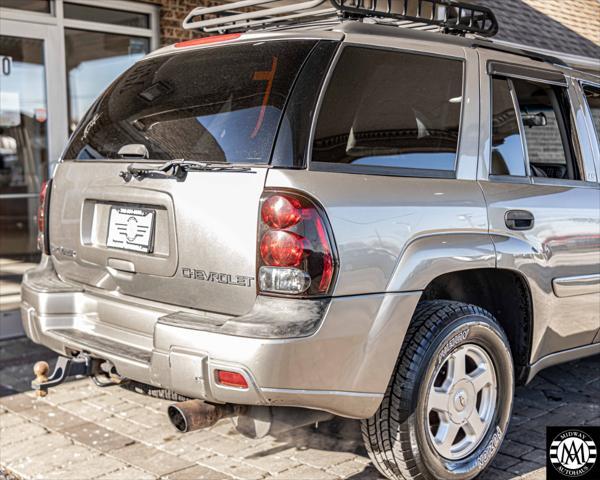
<point x="449" y="15"/>
<point x="313" y="15"/>
<point x="240" y="20"/>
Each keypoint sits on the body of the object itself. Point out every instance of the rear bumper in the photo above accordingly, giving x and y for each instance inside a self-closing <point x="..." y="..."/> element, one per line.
<point x="343" y="367"/>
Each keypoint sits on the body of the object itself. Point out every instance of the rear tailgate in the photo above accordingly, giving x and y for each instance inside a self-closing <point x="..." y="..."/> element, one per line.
<point x="185" y="240"/>
<point x="203" y="253"/>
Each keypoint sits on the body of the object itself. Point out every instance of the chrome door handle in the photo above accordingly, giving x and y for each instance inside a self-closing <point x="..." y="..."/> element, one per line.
<point x="519" y="220"/>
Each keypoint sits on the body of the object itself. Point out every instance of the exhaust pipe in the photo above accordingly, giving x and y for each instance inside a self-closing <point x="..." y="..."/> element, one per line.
<point x="195" y="414"/>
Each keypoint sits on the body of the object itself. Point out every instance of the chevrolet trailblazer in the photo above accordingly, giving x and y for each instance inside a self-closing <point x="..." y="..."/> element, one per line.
<point x="320" y="212"/>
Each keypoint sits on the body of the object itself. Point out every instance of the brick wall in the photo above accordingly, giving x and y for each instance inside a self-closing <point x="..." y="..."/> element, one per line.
<point x="544" y="144"/>
<point x="172" y="13"/>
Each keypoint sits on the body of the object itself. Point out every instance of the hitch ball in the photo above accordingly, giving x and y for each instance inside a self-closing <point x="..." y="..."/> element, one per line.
<point x="41" y="369"/>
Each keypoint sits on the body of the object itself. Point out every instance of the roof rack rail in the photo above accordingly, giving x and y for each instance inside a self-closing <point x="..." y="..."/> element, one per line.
<point x="449" y="15"/>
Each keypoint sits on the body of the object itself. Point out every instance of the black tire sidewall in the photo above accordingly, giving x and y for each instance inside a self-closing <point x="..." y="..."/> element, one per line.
<point x="483" y="332"/>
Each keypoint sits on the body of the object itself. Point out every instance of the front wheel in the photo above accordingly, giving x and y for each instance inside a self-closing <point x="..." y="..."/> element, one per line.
<point x="448" y="405"/>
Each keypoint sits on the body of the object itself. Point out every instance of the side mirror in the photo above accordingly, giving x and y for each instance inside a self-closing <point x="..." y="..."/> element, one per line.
<point x="534" y="119"/>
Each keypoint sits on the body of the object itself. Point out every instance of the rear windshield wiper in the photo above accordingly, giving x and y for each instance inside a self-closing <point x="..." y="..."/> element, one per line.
<point x="178" y="169"/>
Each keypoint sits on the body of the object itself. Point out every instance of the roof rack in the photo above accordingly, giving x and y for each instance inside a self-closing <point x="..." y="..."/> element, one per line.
<point x="448" y="15"/>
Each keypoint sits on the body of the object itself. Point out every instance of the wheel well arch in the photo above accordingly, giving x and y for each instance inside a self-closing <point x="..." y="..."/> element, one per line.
<point x="504" y="293"/>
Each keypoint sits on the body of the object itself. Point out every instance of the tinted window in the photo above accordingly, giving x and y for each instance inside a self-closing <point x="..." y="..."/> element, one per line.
<point x="593" y="98"/>
<point x="219" y="104"/>
<point x="390" y="109"/>
<point x="507" y="146"/>
<point x="546" y="122"/>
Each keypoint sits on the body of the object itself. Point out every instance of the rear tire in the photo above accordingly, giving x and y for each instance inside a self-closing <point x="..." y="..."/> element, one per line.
<point x="438" y="420"/>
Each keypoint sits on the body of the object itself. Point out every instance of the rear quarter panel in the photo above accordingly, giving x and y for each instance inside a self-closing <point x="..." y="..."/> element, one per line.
<point x="397" y="233"/>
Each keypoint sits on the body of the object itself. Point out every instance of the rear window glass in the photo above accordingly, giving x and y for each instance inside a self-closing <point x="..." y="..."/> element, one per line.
<point x="221" y="104"/>
<point x="390" y="110"/>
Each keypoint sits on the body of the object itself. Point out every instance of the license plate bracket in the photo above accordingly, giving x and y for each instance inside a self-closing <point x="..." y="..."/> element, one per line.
<point x="131" y="228"/>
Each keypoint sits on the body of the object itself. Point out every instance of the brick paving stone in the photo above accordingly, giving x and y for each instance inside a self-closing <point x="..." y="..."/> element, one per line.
<point x="197" y="472"/>
<point x="502" y="462"/>
<point x="523" y="467"/>
<point x="539" y="474"/>
<point x="150" y="459"/>
<point x="60" y="397"/>
<point x="87" y="470"/>
<point x="273" y="463"/>
<point x="8" y="419"/>
<point x="18" y="403"/>
<point x="233" y="467"/>
<point x="51" y="417"/>
<point x="120" y="424"/>
<point x="495" y="474"/>
<point x="306" y="472"/>
<point x="537" y="456"/>
<point x="149" y="418"/>
<point x="225" y="445"/>
<point x="98" y="437"/>
<point x="156" y="437"/>
<point x="128" y="473"/>
<point x="347" y="469"/>
<point x="91" y="413"/>
<point x="515" y="449"/>
<point x="39" y="465"/>
<point x="19" y="433"/>
<point x="529" y="437"/>
<point x="322" y="458"/>
<point x="37" y="445"/>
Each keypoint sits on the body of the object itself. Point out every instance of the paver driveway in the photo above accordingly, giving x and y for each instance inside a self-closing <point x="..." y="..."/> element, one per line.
<point x="81" y="431"/>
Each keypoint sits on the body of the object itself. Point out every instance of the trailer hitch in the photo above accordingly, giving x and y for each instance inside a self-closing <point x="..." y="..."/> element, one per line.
<point x="65" y="367"/>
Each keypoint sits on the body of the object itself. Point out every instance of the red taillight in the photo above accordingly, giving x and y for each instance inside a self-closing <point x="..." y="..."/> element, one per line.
<point x="231" y="379"/>
<point x="296" y="249"/>
<point x="282" y="249"/>
<point x="279" y="211"/>
<point x="208" y="40"/>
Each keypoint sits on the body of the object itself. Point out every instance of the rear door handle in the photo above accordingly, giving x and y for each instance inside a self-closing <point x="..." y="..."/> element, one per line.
<point x="519" y="220"/>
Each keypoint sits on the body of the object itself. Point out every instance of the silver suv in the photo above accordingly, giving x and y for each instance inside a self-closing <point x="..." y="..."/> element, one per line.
<point x="341" y="218"/>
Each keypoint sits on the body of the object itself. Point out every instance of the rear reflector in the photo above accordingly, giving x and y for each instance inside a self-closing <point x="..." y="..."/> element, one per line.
<point x="208" y="40"/>
<point x="231" y="379"/>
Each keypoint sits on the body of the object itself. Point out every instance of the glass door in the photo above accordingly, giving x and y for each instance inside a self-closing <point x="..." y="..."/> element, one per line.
<point x="27" y="131"/>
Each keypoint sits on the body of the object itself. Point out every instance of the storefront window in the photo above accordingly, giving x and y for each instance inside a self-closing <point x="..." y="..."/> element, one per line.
<point x="94" y="60"/>
<point x="42" y="6"/>
<point x="106" y="15"/>
<point x="23" y="141"/>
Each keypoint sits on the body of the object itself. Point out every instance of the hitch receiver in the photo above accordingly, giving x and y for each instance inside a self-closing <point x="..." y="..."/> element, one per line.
<point x="65" y="367"/>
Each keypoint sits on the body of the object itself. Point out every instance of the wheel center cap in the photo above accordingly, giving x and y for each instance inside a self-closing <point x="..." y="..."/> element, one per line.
<point x="460" y="400"/>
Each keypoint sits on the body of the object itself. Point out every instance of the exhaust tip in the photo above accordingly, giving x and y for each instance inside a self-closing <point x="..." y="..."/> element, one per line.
<point x="177" y="418"/>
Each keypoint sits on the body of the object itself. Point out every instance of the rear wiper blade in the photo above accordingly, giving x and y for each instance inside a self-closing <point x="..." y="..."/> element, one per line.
<point x="188" y="165"/>
<point x="177" y="169"/>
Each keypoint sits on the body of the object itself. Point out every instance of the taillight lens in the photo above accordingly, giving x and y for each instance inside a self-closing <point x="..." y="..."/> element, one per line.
<point x="296" y="253"/>
<point x="41" y="217"/>
<point x="279" y="211"/>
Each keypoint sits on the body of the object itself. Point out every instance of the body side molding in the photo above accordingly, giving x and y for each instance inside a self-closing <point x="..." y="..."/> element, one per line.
<point x="578" y="285"/>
